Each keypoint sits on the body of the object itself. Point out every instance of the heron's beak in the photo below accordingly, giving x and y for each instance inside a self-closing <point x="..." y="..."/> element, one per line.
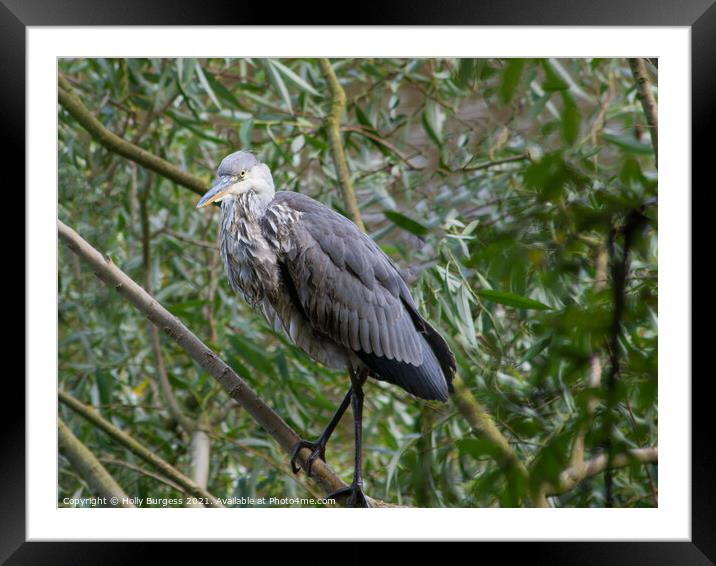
<point x="218" y="190"/>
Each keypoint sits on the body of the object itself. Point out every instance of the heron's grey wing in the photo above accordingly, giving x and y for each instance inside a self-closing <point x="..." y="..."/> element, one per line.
<point x="350" y="291"/>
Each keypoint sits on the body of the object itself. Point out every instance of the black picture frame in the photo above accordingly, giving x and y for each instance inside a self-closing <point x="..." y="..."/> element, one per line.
<point x="17" y="15"/>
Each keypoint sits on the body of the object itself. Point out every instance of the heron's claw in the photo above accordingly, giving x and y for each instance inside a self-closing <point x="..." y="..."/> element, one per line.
<point x="357" y="498"/>
<point x="318" y="450"/>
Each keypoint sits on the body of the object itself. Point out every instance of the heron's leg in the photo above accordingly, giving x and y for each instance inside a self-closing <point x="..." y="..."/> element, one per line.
<point x="318" y="448"/>
<point x="357" y="498"/>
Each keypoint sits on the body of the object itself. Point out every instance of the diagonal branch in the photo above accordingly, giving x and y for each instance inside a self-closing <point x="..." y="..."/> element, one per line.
<point x="333" y="128"/>
<point x="137" y="448"/>
<point x="115" y="143"/>
<point x="90" y="468"/>
<point x="236" y="387"/>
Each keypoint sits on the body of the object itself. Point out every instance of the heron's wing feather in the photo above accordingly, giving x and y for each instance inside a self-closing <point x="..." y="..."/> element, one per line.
<point x="347" y="287"/>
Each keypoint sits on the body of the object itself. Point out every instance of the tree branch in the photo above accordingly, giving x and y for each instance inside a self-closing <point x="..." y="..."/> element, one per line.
<point x="484" y="427"/>
<point x="488" y="164"/>
<point x="115" y="143"/>
<point x="89" y="467"/>
<point x="648" y="102"/>
<point x="236" y="387"/>
<point x="333" y="128"/>
<point x="138" y="449"/>
<point x="570" y="477"/>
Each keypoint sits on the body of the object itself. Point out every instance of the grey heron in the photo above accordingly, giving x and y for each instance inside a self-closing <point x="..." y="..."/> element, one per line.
<point x="316" y="276"/>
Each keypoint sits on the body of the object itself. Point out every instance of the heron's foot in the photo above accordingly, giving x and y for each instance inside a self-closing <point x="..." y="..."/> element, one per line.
<point x="318" y="450"/>
<point x="357" y="497"/>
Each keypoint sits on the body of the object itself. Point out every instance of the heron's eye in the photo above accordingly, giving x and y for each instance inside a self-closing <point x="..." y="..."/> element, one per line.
<point x="243" y="173"/>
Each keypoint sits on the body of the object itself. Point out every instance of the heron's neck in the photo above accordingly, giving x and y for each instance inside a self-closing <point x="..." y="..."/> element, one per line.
<point x="248" y="258"/>
<point x="249" y="206"/>
<point x="240" y="228"/>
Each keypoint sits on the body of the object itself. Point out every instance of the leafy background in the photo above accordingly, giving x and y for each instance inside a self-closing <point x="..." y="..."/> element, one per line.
<point x="493" y="183"/>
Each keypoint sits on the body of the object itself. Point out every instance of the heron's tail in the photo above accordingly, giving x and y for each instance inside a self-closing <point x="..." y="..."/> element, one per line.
<point x="432" y="379"/>
<point x="441" y="351"/>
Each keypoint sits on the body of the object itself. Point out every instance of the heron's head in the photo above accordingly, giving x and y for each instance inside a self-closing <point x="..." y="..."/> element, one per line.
<point x="239" y="173"/>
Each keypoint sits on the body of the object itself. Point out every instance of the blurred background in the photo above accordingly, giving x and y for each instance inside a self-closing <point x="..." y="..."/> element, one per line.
<point x="502" y="189"/>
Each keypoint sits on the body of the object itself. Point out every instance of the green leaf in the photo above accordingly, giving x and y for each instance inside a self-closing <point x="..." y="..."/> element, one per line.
<point x="477" y="448"/>
<point x="465" y="72"/>
<point x="536" y="348"/>
<point x="363" y="120"/>
<point x="253" y="354"/>
<point x="318" y="143"/>
<point x="186" y="307"/>
<point x="222" y="91"/>
<point x="627" y="143"/>
<point x="553" y="82"/>
<point x="550" y="175"/>
<point x="511" y="299"/>
<point x="433" y="119"/>
<point x="631" y="171"/>
<point x="245" y="133"/>
<point x="294" y="78"/>
<point x="105" y="384"/>
<point x="570" y="119"/>
<point x="187" y="124"/>
<point x="207" y="87"/>
<point x="406" y="223"/>
<point x="538" y="106"/>
<point x="275" y="79"/>
<point x="510" y="79"/>
<point x="185" y="69"/>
